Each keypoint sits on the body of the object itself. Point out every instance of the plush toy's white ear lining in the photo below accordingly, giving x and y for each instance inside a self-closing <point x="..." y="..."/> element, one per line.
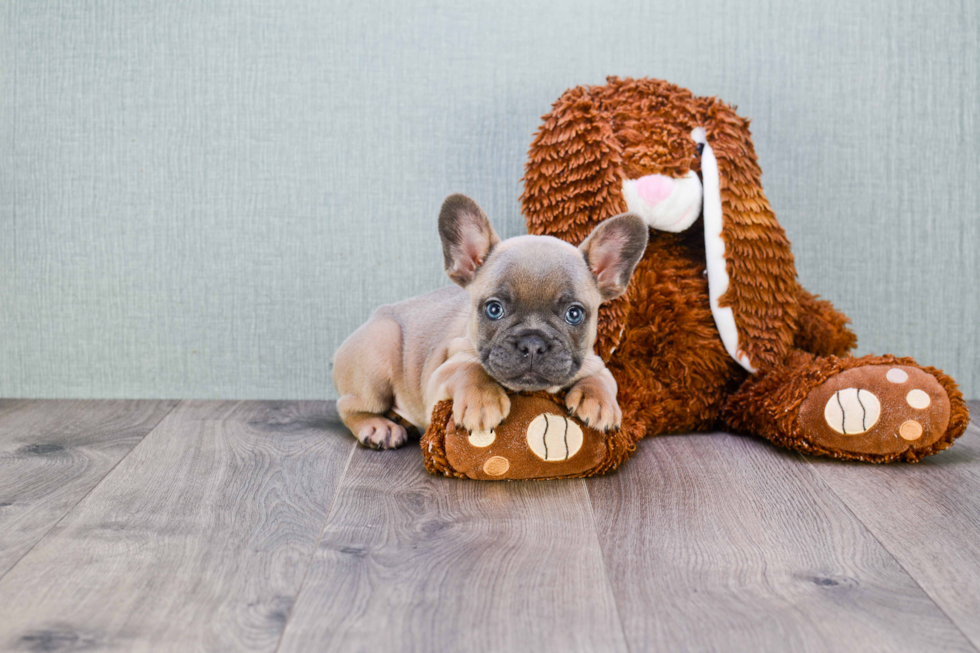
<point x="714" y="250"/>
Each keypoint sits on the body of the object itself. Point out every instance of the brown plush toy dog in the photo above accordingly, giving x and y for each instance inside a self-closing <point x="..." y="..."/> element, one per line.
<point x="714" y="330"/>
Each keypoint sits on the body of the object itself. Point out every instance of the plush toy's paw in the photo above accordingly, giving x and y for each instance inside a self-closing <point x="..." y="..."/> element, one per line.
<point x="381" y="433"/>
<point x="876" y="410"/>
<point x="537" y="440"/>
<point x="591" y="401"/>
<point x="480" y="408"/>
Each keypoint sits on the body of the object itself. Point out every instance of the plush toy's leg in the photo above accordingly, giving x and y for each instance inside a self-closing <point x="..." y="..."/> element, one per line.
<point x="822" y="329"/>
<point x="874" y="408"/>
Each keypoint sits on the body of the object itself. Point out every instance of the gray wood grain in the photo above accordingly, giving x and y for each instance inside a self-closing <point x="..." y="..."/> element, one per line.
<point x="204" y="537"/>
<point x="928" y="517"/>
<point x="52" y="453"/>
<point x="413" y="562"/>
<point x="197" y="540"/>
<point x="716" y="542"/>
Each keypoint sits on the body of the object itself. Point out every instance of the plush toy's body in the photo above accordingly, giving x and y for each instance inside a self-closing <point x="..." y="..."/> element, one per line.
<point x="714" y="330"/>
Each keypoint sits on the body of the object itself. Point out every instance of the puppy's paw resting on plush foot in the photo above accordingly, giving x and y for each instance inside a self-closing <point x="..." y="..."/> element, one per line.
<point x="480" y="407"/>
<point x="877" y="410"/>
<point x="591" y="401"/>
<point x="381" y="433"/>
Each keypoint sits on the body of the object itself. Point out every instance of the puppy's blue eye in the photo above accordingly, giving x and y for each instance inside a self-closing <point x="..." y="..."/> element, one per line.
<point x="574" y="315"/>
<point x="493" y="310"/>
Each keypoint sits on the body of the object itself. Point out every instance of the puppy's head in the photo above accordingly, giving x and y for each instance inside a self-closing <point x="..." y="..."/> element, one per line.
<point x="535" y="298"/>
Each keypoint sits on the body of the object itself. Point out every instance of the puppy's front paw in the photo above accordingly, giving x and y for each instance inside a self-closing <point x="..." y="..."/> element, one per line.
<point x="591" y="401"/>
<point x="480" y="407"/>
<point x="381" y="433"/>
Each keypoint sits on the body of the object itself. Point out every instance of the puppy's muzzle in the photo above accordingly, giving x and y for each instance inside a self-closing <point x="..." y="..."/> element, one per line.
<point x="529" y="360"/>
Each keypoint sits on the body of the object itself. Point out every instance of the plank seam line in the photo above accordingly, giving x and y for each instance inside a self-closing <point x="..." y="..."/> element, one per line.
<point x="847" y="506"/>
<point x="602" y="559"/>
<point x="316" y="546"/>
<point x="91" y="489"/>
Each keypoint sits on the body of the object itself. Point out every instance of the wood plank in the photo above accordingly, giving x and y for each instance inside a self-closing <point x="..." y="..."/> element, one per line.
<point x="718" y="542"/>
<point x="410" y="561"/>
<point x="928" y="517"/>
<point x="52" y="453"/>
<point x="198" y="540"/>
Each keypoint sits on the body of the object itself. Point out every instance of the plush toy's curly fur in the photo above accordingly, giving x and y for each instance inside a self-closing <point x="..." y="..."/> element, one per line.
<point x="595" y="137"/>
<point x="660" y="339"/>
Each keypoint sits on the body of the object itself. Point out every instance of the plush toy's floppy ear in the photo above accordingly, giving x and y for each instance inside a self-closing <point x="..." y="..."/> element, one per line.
<point x="613" y="249"/>
<point x="467" y="237"/>
<point x="572" y="176"/>
<point x="572" y="182"/>
<point x="751" y="274"/>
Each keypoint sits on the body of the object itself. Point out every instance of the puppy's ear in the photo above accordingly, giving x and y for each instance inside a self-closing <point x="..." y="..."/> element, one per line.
<point x="612" y="250"/>
<point x="467" y="237"/>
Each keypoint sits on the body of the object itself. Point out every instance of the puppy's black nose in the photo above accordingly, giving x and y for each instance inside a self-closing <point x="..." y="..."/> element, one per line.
<point x="532" y="345"/>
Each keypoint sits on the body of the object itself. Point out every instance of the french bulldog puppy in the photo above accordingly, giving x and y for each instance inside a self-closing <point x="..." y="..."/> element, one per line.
<point x="522" y="317"/>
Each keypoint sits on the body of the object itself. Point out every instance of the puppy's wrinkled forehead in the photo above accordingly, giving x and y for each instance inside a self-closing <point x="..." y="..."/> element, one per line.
<point x="536" y="271"/>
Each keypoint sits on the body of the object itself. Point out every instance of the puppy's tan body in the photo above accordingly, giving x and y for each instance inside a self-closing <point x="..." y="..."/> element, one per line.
<point x="445" y="344"/>
<point x="399" y="349"/>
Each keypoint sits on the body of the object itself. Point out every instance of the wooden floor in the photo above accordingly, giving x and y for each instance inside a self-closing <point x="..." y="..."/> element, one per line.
<point x="239" y="526"/>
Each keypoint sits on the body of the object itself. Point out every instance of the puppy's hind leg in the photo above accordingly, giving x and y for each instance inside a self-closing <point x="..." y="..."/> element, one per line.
<point x="363" y="372"/>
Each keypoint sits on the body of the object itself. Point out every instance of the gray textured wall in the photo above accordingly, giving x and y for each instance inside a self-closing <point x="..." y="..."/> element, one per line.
<point x="202" y="198"/>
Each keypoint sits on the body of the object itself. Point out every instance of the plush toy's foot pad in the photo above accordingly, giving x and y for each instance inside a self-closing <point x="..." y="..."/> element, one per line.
<point x="876" y="410"/>
<point x="537" y="440"/>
